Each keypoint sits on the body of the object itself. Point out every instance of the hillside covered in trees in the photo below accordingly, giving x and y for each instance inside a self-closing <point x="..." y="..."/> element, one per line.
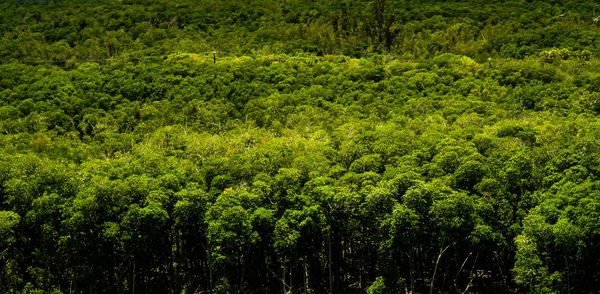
<point x="328" y="146"/>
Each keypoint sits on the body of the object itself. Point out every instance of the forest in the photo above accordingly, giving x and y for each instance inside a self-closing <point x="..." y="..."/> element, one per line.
<point x="299" y="146"/>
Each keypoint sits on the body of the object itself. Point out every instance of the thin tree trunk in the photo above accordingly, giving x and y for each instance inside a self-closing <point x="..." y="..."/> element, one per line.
<point x="330" y="263"/>
<point x="283" y="276"/>
<point x="460" y="269"/>
<point x="133" y="280"/>
<point x="436" y="267"/>
<point x="411" y="270"/>
<point x="242" y="272"/>
<point x="500" y="264"/>
<point x="471" y="274"/>
<point x="567" y="274"/>
<point x="305" y="274"/>
<point x="210" y="272"/>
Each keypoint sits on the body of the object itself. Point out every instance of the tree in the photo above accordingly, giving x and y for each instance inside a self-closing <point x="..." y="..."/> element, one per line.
<point x="8" y="223"/>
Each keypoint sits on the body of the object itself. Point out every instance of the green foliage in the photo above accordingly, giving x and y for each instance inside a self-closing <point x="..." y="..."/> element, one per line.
<point x="378" y="286"/>
<point x="64" y="33"/>
<point x="9" y="221"/>
<point x="554" y="54"/>
<point x="331" y="147"/>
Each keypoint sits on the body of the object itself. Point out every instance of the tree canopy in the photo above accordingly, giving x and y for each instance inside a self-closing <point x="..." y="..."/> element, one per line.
<point x="333" y="147"/>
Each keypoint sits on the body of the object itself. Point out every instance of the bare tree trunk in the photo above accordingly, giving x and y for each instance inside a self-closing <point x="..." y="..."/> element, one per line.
<point x="471" y="275"/>
<point x="283" y="276"/>
<point x="436" y="267"/>
<point x="500" y="263"/>
<point x="242" y="272"/>
<point x="411" y="270"/>
<point x="133" y="280"/>
<point x="210" y="273"/>
<point x="306" y="287"/>
<point x="567" y="274"/>
<point x="71" y="284"/>
<point x="460" y="269"/>
<point x="330" y="263"/>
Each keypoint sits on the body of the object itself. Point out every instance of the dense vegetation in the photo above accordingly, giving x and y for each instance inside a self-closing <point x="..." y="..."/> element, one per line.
<point x="338" y="147"/>
<point x="71" y="31"/>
